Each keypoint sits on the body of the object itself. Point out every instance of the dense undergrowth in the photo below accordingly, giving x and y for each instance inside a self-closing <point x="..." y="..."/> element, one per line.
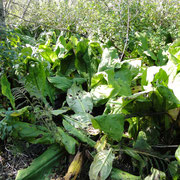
<point x="116" y="109"/>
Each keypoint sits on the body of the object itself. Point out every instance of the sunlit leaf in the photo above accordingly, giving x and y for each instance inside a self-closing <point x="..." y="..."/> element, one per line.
<point x="102" y="165"/>
<point x="78" y="100"/>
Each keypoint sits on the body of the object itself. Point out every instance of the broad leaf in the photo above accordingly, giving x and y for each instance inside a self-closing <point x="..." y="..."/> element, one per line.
<point x="109" y="59"/>
<point x="6" y="90"/>
<point x="102" y="165"/>
<point x="64" y="83"/>
<point x="68" y="141"/>
<point x="176" y="86"/>
<point x="174" y="51"/>
<point x="42" y="165"/>
<point x="78" y="100"/>
<point x="79" y="120"/>
<point x="78" y="133"/>
<point x="61" y="82"/>
<point x="173" y="168"/>
<point x="177" y="154"/>
<point x="112" y="125"/>
<point x="31" y="133"/>
<point x="47" y="53"/>
<point x="171" y="101"/>
<point x="101" y="94"/>
<point x="141" y="142"/>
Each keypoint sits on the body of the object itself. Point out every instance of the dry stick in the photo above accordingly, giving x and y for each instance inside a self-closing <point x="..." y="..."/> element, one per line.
<point x="26" y="9"/>
<point x="17" y="16"/>
<point x="127" y="35"/>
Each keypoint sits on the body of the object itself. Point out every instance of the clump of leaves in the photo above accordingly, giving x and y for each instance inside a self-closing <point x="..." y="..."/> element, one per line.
<point x="139" y="103"/>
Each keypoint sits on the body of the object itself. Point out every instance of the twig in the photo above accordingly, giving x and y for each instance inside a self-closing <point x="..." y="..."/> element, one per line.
<point x="17" y="16"/>
<point x="29" y="1"/>
<point x="146" y="114"/>
<point x="127" y="33"/>
<point x="166" y="146"/>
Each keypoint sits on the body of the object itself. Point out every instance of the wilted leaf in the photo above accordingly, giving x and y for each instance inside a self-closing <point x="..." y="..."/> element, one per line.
<point x="19" y="112"/>
<point x="75" y="167"/>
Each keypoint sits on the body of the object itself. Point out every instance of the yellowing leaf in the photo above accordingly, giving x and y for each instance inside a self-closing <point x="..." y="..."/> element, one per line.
<point x="75" y="167"/>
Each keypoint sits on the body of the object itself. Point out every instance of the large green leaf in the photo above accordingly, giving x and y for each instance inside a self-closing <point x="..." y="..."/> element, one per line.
<point x="99" y="78"/>
<point x="41" y="167"/>
<point x="78" y="100"/>
<point x="87" y="58"/>
<point x="101" y="94"/>
<point x="61" y="82"/>
<point x="78" y="133"/>
<point x="173" y="168"/>
<point x="47" y="53"/>
<point x="109" y="59"/>
<point x="68" y="141"/>
<point x="120" y="80"/>
<point x="31" y="133"/>
<point x="79" y="120"/>
<point x="141" y="142"/>
<point x="117" y="174"/>
<point x="176" y="86"/>
<point x="67" y="63"/>
<point x="134" y="154"/>
<point x="170" y="99"/>
<point x="6" y="90"/>
<point x="174" y="51"/>
<point x="102" y="165"/>
<point x="177" y="154"/>
<point x="112" y="125"/>
<point x="36" y="80"/>
<point x="64" y="83"/>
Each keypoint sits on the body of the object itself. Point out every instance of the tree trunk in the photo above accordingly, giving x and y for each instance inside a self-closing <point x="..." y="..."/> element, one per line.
<point x="2" y="17"/>
<point x="2" y="21"/>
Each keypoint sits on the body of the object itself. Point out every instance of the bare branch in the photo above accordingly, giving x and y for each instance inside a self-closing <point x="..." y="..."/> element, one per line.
<point x="127" y="33"/>
<point x="29" y="1"/>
